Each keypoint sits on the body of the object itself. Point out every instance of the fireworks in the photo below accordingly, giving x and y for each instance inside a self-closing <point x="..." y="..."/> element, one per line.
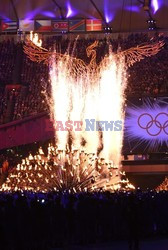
<point x="96" y="94"/>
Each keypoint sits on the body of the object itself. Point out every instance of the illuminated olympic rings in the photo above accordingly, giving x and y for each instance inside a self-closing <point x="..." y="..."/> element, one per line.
<point x="153" y="122"/>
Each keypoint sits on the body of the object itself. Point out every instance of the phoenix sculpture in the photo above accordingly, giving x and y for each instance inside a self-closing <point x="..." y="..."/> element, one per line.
<point x="36" y="53"/>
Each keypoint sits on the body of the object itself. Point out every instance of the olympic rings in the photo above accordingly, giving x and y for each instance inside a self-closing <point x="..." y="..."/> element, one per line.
<point x="153" y="122"/>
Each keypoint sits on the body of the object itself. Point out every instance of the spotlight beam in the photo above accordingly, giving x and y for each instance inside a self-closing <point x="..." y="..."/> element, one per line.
<point x="60" y="9"/>
<point x="148" y="11"/>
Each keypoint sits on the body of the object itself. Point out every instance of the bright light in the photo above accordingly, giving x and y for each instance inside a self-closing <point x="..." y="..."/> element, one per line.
<point x="70" y="11"/>
<point x="109" y="15"/>
<point x="96" y="93"/>
<point x="109" y="18"/>
<point x="155" y="5"/>
<point x="35" y="39"/>
<point x="111" y="101"/>
<point x="139" y="127"/>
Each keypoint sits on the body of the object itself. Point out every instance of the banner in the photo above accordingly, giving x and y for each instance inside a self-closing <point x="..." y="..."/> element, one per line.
<point x="60" y="26"/>
<point x="9" y="26"/>
<point x="25" y="131"/>
<point x="26" y="25"/>
<point x="76" y="25"/>
<point x="52" y="25"/>
<point x="146" y="125"/>
<point x="93" y="25"/>
<point x="43" y="25"/>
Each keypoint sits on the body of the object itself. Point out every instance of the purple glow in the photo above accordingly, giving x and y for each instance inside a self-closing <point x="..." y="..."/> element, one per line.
<point x="4" y="17"/>
<point x="32" y="14"/>
<point x="70" y="12"/>
<point x="48" y="14"/>
<point x="109" y="18"/>
<point x="109" y="15"/>
<point x="91" y="17"/>
<point x="132" y="8"/>
<point x="155" y="5"/>
<point x="140" y="118"/>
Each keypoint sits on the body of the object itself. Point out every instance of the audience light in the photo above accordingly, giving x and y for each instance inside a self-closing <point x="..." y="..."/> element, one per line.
<point x="108" y="29"/>
<point x="151" y="24"/>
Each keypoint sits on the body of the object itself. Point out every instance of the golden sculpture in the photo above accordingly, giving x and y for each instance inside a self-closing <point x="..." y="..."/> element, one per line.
<point x="63" y="171"/>
<point x="38" y="54"/>
<point x="163" y="186"/>
<point x="138" y="53"/>
<point x="78" y="67"/>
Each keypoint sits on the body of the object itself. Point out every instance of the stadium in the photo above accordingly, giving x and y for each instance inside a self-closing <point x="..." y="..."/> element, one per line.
<point x="84" y="124"/>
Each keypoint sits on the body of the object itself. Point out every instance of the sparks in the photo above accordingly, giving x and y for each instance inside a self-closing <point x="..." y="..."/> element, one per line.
<point x="97" y="94"/>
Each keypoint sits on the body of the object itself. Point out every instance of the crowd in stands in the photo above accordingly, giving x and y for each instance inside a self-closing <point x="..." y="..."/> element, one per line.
<point x="148" y="77"/>
<point x="2" y="105"/>
<point x="48" y="221"/>
<point x="7" y="60"/>
<point x="5" y="97"/>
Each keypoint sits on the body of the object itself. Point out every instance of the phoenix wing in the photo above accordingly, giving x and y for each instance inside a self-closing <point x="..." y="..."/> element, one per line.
<point x="138" y="53"/>
<point x="36" y="53"/>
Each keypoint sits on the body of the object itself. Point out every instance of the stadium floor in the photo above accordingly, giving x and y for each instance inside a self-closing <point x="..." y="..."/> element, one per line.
<point x="161" y="244"/>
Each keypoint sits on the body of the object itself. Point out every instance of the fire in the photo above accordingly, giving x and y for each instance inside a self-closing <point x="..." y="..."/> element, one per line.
<point x="71" y="171"/>
<point x="35" y="39"/>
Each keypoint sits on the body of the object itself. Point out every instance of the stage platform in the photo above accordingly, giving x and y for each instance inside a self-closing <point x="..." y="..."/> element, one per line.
<point x="146" y="173"/>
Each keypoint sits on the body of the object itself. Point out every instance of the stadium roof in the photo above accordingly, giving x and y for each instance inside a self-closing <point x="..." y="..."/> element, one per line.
<point x="122" y="15"/>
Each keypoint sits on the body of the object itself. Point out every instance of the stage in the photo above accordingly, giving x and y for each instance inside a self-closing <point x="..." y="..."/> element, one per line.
<point x="146" y="173"/>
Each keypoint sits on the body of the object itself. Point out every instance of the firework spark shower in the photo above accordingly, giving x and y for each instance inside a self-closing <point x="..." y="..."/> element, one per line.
<point x="97" y="93"/>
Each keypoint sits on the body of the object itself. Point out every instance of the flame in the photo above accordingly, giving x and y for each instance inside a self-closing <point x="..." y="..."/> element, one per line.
<point x="81" y="172"/>
<point x="35" y="39"/>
